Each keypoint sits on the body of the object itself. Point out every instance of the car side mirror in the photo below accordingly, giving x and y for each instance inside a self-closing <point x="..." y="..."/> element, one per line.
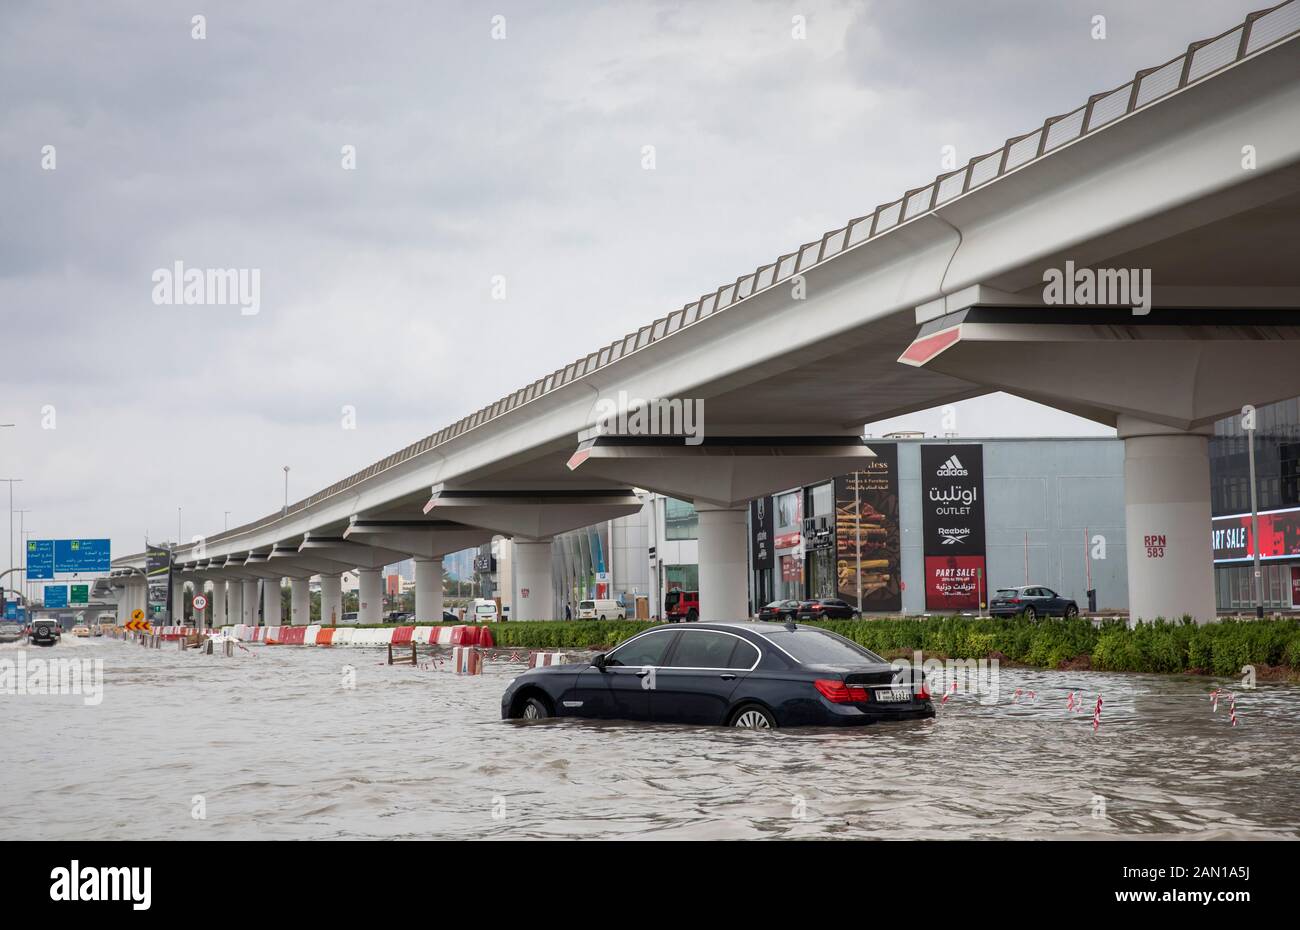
<point x="598" y="661"/>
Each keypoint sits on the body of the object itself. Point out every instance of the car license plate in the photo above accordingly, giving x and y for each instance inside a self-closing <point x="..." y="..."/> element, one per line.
<point x="893" y="696"/>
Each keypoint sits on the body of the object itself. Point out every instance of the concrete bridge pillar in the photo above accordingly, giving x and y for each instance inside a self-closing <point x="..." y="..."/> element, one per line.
<point x="370" y="606"/>
<point x="218" y="603"/>
<point x="724" y="568"/>
<point x="249" y="611"/>
<point x="1167" y="520"/>
<point x="331" y="600"/>
<point x="271" y="602"/>
<point x="299" y="602"/>
<point x="235" y="602"/>
<point x="534" y="598"/>
<point x="428" y="590"/>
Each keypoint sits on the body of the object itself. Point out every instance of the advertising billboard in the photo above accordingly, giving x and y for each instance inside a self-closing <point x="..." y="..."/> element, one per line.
<point x="952" y="526"/>
<point x="1279" y="536"/>
<point x="158" y="571"/>
<point x="868" y="551"/>
<point x="762" y="525"/>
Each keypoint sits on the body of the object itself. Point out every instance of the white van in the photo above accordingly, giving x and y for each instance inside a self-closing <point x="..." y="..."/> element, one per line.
<point x="601" y="610"/>
<point x="481" y="610"/>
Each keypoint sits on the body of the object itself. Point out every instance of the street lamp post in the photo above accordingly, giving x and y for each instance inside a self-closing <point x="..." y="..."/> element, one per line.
<point x="11" y="518"/>
<point x="286" y="490"/>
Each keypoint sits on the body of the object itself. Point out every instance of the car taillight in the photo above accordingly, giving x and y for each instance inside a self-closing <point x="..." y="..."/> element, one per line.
<point x="922" y="692"/>
<point x="816" y="606"/>
<point x="1014" y="600"/>
<point x="837" y="692"/>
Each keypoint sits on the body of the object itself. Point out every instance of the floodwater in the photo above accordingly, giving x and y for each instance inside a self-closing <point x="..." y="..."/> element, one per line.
<point x="271" y="744"/>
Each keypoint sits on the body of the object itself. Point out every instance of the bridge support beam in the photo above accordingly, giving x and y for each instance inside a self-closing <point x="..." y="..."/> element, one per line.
<point x="720" y="476"/>
<point x="370" y="597"/>
<point x="1167" y="520"/>
<point x="1161" y="380"/>
<point x="533" y="595"/>
<point x="235" y="602"/>
<point x="331" y="600"/>
<point x="299" y="602"/>
<point x="724" y="569"/>
<point x="249" y="612"/>
<point x="218" y="603"/>
<point x="271" y="612"/>
<point x="428" y="590"/>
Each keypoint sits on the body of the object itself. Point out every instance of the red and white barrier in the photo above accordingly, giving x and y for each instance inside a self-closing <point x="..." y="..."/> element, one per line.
<point x="546" y="659"/>
<point x="466" y="660"/>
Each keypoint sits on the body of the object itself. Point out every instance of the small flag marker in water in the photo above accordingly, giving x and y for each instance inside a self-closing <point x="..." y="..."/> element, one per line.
<point x="1214" y="701"/>
<point x="1232" y="710"/>
<point x="1069" y="704"/>
<point x="1096" y="715"/>
<point x="951" y="692"/>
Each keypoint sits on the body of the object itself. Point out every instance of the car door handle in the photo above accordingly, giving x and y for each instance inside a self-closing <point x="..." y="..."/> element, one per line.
<point x="644" y="672"/>
<point x="728" y="677"/>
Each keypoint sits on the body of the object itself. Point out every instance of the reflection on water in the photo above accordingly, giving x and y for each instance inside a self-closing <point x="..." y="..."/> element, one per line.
<point x="279" y="749"/>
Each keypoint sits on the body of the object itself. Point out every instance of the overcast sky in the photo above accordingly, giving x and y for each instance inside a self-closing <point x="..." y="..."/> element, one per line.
<point x="474" y="157"/>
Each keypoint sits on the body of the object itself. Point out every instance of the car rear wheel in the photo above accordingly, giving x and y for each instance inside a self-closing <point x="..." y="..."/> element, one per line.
<point x="1030" y="613"/>
<point x="535" y="709"/>
<point x="753" y="717"/>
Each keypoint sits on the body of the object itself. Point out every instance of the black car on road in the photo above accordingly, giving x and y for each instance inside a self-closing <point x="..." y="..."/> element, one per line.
<point x="751" y="675"/>
<point x="825" y="608"/>
<point x="1031" y="601"/>
<point x="779" y="610"/>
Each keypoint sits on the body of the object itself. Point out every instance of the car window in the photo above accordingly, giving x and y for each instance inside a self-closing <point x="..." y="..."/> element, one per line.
<point x="648" y="649"/>
<point x="744" y="656"/>
<point x="1047" y="592"/>
<point x="703" y="649"/>
<point x="1007" y="592"/>
<point x="821" y="647"/>
<point x="586" y="605"/>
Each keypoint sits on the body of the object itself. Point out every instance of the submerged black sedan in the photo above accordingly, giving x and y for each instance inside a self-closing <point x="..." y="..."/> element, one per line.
<point x="752" y="675"/>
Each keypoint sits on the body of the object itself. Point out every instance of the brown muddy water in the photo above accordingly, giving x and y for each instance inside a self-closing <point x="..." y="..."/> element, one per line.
<point x="271" y="745"/>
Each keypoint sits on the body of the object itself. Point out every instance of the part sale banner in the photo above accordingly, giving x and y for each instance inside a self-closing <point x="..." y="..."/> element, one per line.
<point x="867" y="534"/>
<point x="952" y="524"/>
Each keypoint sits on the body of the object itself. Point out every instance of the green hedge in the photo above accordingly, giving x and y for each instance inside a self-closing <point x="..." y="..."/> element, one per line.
<point x="1161" y="646"/>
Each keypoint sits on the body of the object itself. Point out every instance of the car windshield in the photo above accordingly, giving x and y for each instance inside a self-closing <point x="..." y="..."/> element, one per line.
<point x="821" y="647"/>
<point x="586" y="605"/>
<point x="10" y="628"/>
<point x="485" y="609"/>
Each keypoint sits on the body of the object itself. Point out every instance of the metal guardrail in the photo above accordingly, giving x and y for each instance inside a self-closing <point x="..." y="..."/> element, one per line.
<point x="1201" y="60"/>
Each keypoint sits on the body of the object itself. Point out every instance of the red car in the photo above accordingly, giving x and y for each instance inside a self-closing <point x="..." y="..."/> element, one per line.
<point x="682" y="605"/>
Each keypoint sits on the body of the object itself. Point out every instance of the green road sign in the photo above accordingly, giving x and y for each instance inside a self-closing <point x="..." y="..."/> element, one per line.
<point x="80" y="594"/>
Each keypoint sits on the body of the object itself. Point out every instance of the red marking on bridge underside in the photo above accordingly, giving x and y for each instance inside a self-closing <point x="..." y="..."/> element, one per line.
<point x="927" y="347"/>
<point x="578" y="458"/>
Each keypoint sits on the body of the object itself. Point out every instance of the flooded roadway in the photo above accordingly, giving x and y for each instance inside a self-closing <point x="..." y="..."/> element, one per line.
<point x="278" y="748"/>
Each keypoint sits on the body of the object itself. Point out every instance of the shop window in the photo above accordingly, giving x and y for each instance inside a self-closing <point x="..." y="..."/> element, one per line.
<point x="680" y="520"/>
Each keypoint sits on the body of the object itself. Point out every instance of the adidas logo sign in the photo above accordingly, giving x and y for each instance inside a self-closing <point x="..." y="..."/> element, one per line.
<point x="952" y="468"/>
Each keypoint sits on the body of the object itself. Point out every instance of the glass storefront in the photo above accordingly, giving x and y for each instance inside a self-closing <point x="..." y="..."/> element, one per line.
<point x="682" y="577"/>
<point x="1234" y="590"/>
<point x="821" y="573"/>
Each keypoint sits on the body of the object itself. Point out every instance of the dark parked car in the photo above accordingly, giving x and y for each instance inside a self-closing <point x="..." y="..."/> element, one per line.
<point x="779" y="610"/>
<point x="825" y="608"/>
<point x="750" y="675"/>
<point x="449" y="617"/>
<point x="1031" y="601"/>
<point x="44" y="633"/>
